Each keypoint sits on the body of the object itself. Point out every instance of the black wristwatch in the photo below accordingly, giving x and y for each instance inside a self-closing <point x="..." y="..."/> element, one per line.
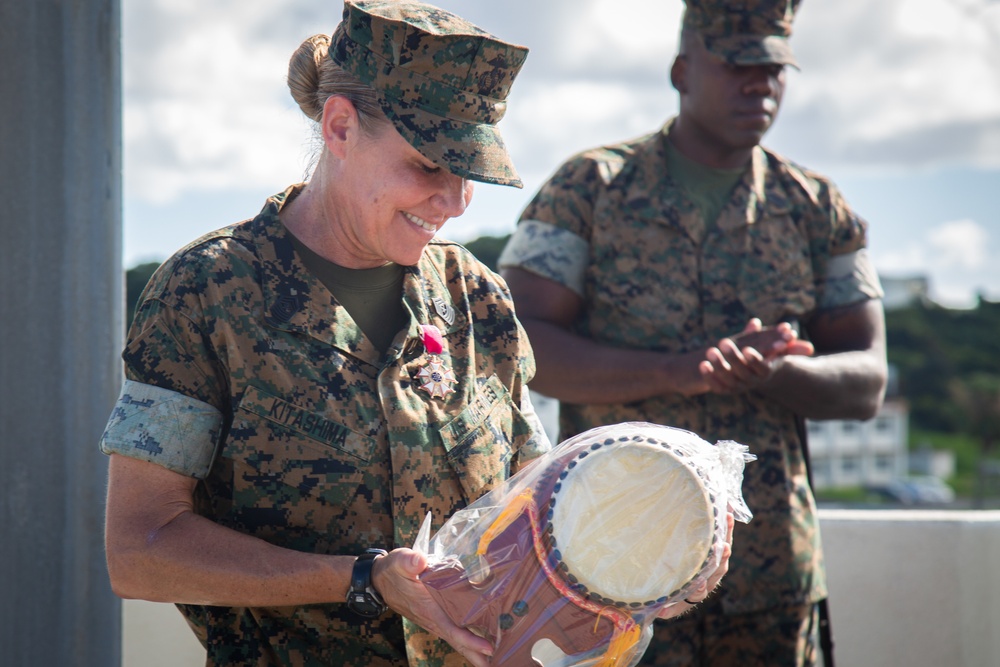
<point x="362" y="598"/>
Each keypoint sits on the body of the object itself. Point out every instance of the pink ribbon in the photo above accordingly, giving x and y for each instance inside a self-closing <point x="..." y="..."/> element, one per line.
<point x="433" y="341"/>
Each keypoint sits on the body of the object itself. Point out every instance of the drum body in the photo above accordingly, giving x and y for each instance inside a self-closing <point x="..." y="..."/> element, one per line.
<point x="585" y="546"/>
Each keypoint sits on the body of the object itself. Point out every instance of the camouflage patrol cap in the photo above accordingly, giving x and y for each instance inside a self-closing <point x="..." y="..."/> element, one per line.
<point x="744" y="32"/>
<point x="442" y="81"/>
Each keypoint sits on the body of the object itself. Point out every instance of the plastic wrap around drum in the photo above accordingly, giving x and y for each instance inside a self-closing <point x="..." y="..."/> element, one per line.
<point x="572" y="557"/>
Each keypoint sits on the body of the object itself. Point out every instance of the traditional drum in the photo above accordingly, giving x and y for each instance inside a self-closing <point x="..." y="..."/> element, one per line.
<point x="573" y="557"/>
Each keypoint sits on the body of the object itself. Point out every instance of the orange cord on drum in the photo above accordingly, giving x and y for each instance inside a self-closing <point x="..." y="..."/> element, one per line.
<point x="622" y="640"/>
<point x="621" y="647"/>
<point x="600" y="614"/>
<point x="506" y="518"/>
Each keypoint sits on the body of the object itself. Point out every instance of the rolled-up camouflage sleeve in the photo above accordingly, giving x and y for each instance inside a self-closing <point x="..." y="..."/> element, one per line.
<point x="164" y="427"/>
<point x="548" y="251"/>
<point x="850" y="278"/>
<point x="552" y="238"/>
<point x="170" y="411"/>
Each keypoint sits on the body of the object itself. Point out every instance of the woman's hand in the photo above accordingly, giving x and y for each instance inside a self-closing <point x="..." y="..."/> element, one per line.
<point x="703" y="591"/>
<point x="396" y="577"/>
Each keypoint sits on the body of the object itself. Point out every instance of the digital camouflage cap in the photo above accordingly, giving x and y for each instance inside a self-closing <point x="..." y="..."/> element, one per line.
<point x="442" y="81"/>
<point x="744" y="32"/>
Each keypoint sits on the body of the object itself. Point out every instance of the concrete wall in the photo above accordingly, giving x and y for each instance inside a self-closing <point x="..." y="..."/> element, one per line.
<point x="908" y="588"/>
<point x="914" y="588"/>
<point x="156" y="635"/>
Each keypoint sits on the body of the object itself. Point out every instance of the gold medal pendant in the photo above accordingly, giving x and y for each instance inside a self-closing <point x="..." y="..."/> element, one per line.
<point x="437" y="378"/>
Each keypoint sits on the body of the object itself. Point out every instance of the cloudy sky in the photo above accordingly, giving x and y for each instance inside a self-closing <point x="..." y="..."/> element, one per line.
<point x="897" y="100"/>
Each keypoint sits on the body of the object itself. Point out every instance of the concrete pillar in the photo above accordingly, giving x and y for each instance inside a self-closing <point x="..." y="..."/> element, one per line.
<point x="61" y="326"/>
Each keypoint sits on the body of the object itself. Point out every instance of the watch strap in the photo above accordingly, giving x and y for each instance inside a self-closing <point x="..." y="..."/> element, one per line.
<point x="362" y="593"/>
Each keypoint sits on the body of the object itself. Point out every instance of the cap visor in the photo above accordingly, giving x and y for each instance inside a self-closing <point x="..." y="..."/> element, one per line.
<point x="753" y="50"/>
<point x="474" y="151"/>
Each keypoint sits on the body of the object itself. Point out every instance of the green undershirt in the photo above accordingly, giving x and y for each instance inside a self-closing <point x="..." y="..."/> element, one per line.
<point x="708" y="188"/>
<point x="373" y="297"/>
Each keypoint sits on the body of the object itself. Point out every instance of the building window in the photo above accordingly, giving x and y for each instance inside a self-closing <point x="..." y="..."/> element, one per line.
<point x="883" y="424"/>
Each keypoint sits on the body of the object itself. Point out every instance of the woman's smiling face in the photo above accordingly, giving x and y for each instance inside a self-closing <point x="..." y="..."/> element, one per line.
<point x="393" y="200"/>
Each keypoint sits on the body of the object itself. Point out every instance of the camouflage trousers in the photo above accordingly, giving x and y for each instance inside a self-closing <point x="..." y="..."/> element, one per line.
<point x="781" y="637"/>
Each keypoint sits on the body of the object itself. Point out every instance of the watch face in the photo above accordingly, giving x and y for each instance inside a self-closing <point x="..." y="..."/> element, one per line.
<point x="365" y="605"/>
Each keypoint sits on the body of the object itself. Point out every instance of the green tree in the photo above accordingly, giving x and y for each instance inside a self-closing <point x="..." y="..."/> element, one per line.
<point x="978" y="399"/>
<point x="487" y="249"/>
<point x="931" y="346"/>
<point x="135" y="281"/>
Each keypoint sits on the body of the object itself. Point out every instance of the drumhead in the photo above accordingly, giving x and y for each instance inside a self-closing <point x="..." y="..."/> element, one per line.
<point x="631" y="520"/>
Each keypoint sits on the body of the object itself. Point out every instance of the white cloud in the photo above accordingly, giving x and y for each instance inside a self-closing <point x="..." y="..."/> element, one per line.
<point x="913" y="82"/>
<point x="954" y="255"/>
<point x="888" y="85"/>
<point x="206" y="106"/>
<point x="190" y="147"/>
<point x="898" y="82"/>
<point x="557" y="119"/>
<point x="960" y="243"/>
<point x="612" y="35"/>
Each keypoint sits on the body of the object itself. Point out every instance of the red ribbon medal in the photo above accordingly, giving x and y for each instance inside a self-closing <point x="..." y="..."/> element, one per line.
<point x="436" y="377"/>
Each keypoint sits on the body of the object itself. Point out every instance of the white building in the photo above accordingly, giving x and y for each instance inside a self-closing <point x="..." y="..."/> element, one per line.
<point x="903" y="292"/>
<point x="854" y="453"/>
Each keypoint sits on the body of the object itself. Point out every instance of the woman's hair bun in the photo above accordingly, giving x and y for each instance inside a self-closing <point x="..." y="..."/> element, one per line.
<point x="304" y="70"/>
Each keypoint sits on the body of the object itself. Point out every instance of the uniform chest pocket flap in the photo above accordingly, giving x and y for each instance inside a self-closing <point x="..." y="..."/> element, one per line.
<point x="280" y="441"/>
<point x="482" y="439"/>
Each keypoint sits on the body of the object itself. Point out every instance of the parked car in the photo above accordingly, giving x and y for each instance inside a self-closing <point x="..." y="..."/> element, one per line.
<point x="918" y="490"/>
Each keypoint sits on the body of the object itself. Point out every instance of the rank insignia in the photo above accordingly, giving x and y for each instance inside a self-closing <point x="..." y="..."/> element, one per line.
<point x="444" y="309"/>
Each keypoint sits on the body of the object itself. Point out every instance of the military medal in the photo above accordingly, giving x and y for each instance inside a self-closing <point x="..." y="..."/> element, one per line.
<point x="437" y="378"/>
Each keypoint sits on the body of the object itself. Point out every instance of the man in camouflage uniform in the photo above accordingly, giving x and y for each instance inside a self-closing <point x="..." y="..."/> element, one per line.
<point x="667" y="278"/>
<point x="263" y="439"/>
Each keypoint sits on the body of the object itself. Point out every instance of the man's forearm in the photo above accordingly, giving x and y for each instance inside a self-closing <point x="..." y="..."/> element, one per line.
<point x="577" y="370"/>
<point x="844" y="385"/>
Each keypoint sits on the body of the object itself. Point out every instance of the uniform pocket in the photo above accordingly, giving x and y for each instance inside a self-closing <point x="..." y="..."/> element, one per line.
<point x="292" y="467"/>
<point x="481" y="441"/>
<point x="643" y="281"/>
<point x="776" y="276"/>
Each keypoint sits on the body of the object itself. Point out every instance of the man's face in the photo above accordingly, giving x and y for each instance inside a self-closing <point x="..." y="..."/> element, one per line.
<point x="731" y="107"/>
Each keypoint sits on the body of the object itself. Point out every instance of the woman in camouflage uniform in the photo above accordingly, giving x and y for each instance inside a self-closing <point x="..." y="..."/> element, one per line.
<point x="309" y="384"/>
